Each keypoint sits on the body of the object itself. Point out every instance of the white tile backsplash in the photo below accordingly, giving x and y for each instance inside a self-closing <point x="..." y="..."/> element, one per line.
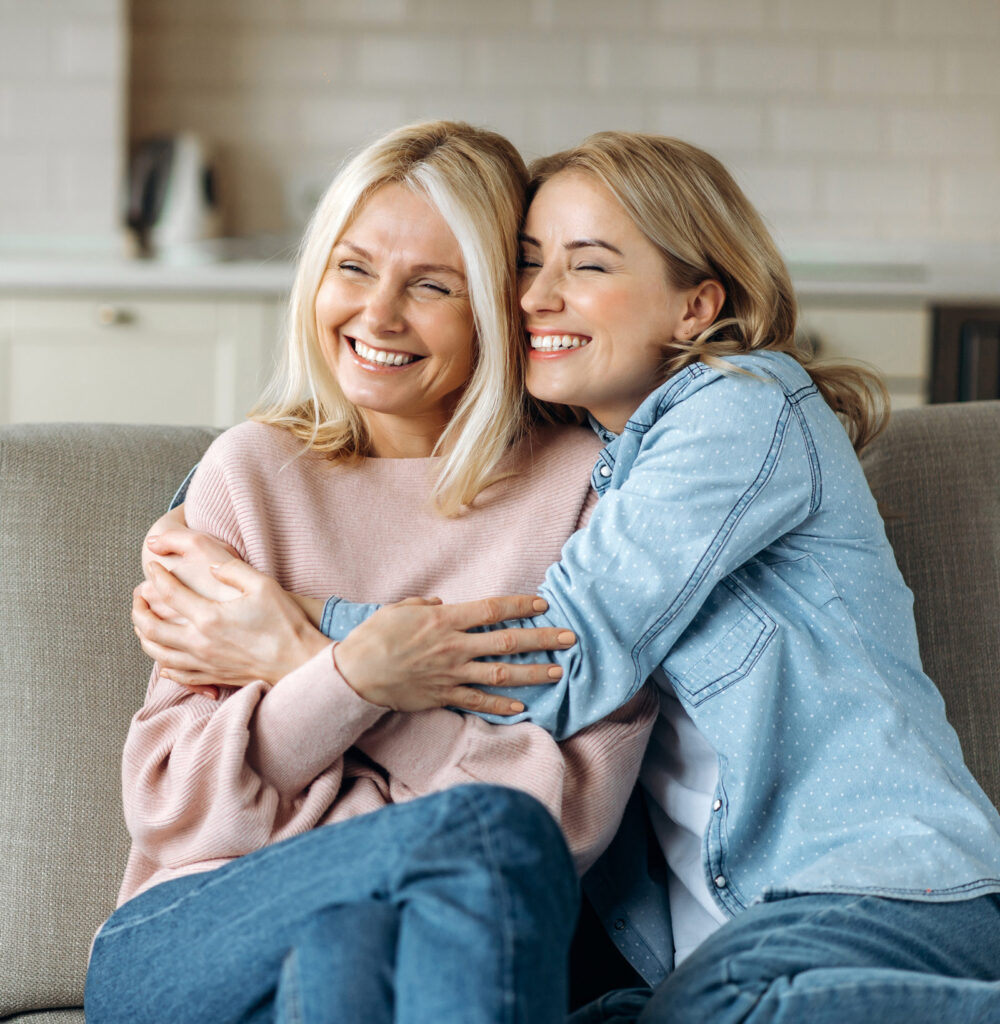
<point x="63" y="67"/>
<point x="865" y="119"/>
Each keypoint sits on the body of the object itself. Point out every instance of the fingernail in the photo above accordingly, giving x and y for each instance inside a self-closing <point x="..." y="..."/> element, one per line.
<point x="153" y="539"/>
<point x="517" y="706"/>
<point x="566" y="638"/>
<point x="539" y="605"/>
<point x="555" y="672"/>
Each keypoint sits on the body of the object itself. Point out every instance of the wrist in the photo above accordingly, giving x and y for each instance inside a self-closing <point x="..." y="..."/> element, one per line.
<point x="311" y="606"/>
<point x="346" y="662"/>
<point x="308" y="642"/>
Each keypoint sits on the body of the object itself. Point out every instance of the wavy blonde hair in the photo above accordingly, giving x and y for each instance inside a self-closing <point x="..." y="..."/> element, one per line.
<point x="688" y="205"/>
<point x="476" y="180"/>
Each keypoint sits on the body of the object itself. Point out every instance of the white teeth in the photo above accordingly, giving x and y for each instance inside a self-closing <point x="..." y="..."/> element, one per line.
<point x="553" y="342"/>
<point x="377" y="355"/>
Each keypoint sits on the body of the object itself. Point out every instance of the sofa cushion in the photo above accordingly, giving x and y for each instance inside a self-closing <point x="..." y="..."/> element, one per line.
<point x="936" y="475"/>
<point x="75" y="501"/>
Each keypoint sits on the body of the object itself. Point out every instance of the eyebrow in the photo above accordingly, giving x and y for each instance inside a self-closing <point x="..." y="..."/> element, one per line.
<point x="420" y="268"/>
<point x="580" y="243"/>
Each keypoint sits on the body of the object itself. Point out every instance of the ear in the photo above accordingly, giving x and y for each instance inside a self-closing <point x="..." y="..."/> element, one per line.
<point x="704" y="303"/>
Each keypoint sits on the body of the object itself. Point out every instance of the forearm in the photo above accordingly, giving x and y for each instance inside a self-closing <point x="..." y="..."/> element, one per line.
<point x="207" y="778"/>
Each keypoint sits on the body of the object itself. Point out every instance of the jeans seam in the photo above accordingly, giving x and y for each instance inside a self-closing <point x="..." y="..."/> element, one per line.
<point x="506" y="931"/>
<point x="291" y="1006"/>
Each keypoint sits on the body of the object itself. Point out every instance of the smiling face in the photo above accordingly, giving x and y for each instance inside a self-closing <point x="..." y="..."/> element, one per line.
<point x="599" y="310"/>
<point x="395" y="322"/>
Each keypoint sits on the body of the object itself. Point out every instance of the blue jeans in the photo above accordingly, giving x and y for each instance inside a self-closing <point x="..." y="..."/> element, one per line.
<point x="457" y="907"/>
<point x="830" y="959"/>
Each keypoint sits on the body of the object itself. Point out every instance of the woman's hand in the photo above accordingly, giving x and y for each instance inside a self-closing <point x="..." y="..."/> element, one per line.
<point x="226" y="624"/>
<point x="417" y="654"/>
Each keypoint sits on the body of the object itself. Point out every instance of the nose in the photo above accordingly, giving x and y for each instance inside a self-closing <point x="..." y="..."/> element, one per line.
<point x="541" y="292"/>
<point x="384" y="310"/>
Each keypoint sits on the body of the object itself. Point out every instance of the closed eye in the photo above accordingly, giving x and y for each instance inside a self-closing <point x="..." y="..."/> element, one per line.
<point x="351" y="268"/>
<point x="433" y="286"/>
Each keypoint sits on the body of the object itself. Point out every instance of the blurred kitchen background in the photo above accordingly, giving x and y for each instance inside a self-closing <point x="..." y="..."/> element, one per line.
<point x="866" y="131"/>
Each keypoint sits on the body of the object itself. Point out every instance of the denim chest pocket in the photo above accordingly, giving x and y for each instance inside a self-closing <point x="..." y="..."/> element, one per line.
<point x="721" y="645"/>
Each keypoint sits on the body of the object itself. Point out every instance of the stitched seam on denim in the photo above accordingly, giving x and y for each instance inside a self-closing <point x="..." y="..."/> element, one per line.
<point x="732" y="888"/>
<point x="918" y="894"/>
<point x="813" y="455"/>
<point x="796" y="398"/>
<point x="678" y="381"/>
<point x="703" y="567"/>
<point x="509" y="1006"/>
<point x="291" y="1005"/>
<point x="326" y="619"/>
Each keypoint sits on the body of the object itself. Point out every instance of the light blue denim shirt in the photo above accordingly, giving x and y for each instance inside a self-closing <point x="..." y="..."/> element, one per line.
<point x="738" y="547"/>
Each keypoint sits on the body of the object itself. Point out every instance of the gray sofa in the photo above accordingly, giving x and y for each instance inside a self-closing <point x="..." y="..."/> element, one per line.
<point x="75" y="501"/>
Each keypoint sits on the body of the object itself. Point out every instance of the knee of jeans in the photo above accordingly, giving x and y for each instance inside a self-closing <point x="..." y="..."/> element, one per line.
<point x="516" y="812"/>
<point x="724" y="991"/>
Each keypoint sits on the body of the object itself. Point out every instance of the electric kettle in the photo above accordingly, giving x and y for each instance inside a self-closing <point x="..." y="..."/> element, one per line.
<point x="171" y="200"/>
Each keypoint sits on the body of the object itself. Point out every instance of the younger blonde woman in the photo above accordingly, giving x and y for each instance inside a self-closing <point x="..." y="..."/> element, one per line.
<point x="830" y="856"/>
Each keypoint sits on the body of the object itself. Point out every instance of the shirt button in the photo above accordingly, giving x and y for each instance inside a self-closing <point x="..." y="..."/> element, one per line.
<point x="605" y="471"/>
<point x="620" y="924"/>
<point x="717" y="806"/>
<point x="720" y="881"/>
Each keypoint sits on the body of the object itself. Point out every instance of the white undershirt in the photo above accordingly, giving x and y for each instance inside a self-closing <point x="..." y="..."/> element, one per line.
<point x="679" y="775"/>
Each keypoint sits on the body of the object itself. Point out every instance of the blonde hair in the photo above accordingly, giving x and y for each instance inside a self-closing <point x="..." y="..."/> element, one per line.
<point x="476" y="180"/>
<point x="688" y="205"/>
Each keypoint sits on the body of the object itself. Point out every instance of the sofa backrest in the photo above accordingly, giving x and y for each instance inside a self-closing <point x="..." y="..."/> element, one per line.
<point x="936" y="475"/>
<point x="75" y="501"/>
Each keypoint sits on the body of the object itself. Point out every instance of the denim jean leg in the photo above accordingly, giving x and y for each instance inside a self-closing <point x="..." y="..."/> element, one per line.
<point x="212" y="948"/>
<point x="325" y="980"/>
<point x="489" y="905"/>
<point x="827" y="959"/>
<point x="621" y="1006"/>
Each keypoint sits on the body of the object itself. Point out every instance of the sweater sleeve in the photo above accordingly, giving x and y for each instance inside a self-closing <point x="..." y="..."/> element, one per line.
<point x="205" y="779"/>
<point x="584" y="782"/>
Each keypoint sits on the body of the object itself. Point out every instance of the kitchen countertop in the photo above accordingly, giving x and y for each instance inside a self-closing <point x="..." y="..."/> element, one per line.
<point x="911" y="275"/>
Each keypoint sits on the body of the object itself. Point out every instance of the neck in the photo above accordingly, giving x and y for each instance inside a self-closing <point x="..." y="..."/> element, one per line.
<point x="396" y="437"/>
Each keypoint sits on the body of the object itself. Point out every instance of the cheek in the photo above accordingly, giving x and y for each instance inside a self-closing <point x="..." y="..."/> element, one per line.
<point x="459" y="351"/>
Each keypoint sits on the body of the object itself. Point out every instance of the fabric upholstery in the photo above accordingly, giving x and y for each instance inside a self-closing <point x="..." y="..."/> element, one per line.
<point x="75" y="501"/>
<point x="936" y="476"/>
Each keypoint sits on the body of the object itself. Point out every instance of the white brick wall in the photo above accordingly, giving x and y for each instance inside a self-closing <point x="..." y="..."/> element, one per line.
<point x="62" y="119"/>
<point x="863" y="119"/>
<point x="860" y="119"/>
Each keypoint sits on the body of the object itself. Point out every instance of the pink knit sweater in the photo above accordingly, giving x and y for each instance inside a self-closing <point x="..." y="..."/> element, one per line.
<point x="209" y="780"/>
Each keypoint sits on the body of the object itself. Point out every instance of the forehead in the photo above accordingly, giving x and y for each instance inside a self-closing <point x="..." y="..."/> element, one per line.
<point x="574" y="203"/>
<point x="400" y="222"/>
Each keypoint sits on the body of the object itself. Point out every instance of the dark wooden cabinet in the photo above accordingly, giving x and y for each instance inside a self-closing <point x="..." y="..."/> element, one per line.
<point x="965" y="353"/>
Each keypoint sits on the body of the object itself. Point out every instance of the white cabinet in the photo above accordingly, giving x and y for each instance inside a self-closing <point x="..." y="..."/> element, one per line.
<point x="894" y="337"/>
<point x="126" y="358"/>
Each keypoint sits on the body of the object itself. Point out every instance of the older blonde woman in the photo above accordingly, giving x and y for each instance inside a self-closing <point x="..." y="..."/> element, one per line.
<point x="394" y="454"/>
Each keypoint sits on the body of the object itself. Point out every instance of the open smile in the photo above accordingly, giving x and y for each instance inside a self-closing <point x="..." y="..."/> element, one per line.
<point x="380" y="357"/>
<point x="556" y="344"/>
